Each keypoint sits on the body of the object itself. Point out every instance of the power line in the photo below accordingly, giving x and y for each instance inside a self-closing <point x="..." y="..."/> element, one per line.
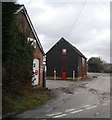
<point x="74" y="23"/>
<point x="102" y="6"/>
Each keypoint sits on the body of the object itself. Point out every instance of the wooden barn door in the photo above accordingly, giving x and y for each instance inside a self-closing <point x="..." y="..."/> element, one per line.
<point x="63" y="73"/>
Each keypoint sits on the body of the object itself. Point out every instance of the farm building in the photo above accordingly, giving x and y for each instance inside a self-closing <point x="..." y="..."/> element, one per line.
<point x="25" y="27"/>
<point x="64" y="61"/>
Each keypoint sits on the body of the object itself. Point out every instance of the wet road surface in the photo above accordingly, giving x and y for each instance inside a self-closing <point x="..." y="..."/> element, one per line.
<point x="75" y="99"/>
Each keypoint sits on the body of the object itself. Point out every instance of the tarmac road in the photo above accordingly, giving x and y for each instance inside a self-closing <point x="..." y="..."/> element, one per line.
<point x="76" y="99"/>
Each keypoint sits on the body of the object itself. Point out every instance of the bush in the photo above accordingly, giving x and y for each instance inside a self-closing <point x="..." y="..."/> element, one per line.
<point x="17" y="53"/>
<point x="95" y="64"/>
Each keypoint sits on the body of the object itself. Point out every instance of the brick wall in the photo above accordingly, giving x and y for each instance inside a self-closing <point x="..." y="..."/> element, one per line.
<point x="24" y="28"/>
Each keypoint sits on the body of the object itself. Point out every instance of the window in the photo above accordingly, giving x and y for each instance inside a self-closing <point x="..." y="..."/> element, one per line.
<point x="64" y="51"/>
<point x="33" y="41"/>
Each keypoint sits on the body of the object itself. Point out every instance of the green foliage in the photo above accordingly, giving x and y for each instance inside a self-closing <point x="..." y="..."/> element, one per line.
<point x="95" y="64"/>
<point x="17" y="53"/>
<point x="23" y="103"/>
<point x="8" y="29"/>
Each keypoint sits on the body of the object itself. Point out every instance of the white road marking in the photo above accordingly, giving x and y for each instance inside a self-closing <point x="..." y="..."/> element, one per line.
<point x="77" y="111"/>
<point x="69" y="110"/>
<point x="53" y="114"/>
<point x="86" y="106"/>
<point x="91" y="107"/>
<point x="72" y="110"/>
<point x="97" y="113"/>
<point x="58" y="116"/>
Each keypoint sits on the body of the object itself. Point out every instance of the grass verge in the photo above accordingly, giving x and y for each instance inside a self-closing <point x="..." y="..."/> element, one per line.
<point x="24" y="102"/>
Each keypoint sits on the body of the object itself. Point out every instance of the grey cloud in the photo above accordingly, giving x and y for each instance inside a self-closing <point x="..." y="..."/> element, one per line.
<point x="90" y="32"/>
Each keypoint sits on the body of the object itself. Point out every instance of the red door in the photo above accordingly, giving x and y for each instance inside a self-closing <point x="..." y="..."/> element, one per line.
<point x="63" y="73"/>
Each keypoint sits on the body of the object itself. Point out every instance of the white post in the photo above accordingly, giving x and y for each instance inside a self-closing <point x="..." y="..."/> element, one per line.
<point x="45" y="71"/>
<point x="54" y="74"/>
<point x="73" y="75"/>
<point x="54" y="77"/>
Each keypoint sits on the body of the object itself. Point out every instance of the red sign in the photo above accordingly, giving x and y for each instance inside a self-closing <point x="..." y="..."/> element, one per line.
<point x="54" y="72"/>
<point x="36" y="72"/>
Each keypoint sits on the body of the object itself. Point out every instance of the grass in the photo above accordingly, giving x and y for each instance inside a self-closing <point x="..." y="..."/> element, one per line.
<point x="24" y="102"/>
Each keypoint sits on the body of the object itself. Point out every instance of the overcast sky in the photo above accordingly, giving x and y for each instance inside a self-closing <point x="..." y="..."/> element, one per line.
<point x="84" y="23"/>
